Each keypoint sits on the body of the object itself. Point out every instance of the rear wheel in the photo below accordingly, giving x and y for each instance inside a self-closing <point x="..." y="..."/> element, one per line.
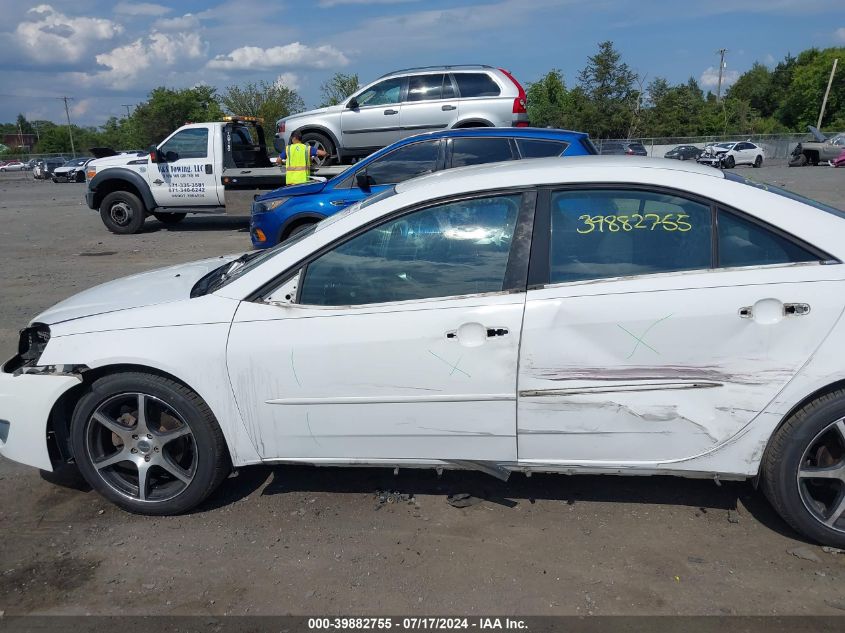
<point x="169" y="218"/>
<point x="758" y="162"/>
<point x="122" y="212"/>
<point x="804" y="470"/>
<point x="321" y="142"/>
<point x="148" y="444"/>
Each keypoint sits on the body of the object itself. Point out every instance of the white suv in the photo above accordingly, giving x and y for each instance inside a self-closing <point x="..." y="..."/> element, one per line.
<point x="408" y="102"/>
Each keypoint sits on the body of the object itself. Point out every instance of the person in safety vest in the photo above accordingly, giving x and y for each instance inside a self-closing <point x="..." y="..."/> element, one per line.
<point x="297" y="158"/>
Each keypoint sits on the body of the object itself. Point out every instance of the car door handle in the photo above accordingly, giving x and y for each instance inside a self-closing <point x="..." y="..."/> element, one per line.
<point x="789" y="309"/>
<point x="391" y="111"/>
<point x="490" y="331"/>
<point x="447" y="107"/>
<point x="340" y="203"/>
<point x="209" y="169"/>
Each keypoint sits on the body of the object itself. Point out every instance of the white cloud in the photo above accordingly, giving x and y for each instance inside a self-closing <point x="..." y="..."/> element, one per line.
<point x="769" y="59"/>
<point x="51" y="36"/>
<point x="839" y="34"/>
<point x="293" y="55"/>
<point x="141" y="8"/>
<point x="289" y="80"/>
<point x="153" y="54"/>
<point x="186" y="22"/>
<point x="710" y="78"/>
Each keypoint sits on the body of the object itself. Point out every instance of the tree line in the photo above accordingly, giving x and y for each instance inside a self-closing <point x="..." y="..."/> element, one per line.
<point x="608" y="99"/>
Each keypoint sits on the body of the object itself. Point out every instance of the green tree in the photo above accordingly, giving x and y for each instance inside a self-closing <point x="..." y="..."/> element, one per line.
<point x="802" y="102"/>
<point x="609" y="87"/>
<point x="166" y="110"/>
<point x="338" y="88"/>
<point x="270" y="101"/>
<point x="549" y="103"/>
<point x="23" y="125"/>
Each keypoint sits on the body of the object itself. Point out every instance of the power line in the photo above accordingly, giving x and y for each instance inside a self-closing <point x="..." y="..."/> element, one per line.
<point x="69" y="126"/>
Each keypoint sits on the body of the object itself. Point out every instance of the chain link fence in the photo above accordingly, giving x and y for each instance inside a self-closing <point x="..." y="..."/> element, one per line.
<point x="776" y="147"/>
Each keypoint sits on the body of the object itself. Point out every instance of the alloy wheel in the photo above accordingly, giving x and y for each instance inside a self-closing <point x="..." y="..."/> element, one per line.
<point x="141" y="447"/>
<point x="821" y="476"/>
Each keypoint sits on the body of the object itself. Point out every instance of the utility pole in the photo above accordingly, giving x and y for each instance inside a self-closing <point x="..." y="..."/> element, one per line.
<point x="127" y="106"/>
<point x="69" y="128"/>
<point x="826" y="93"/>
<point x="721" y="52"/>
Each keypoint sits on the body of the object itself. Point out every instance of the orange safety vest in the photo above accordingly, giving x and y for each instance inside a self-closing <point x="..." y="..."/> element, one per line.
<point x="298" y="166"/>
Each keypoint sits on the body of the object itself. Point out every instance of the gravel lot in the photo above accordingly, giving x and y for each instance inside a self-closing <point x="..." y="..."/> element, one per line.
<point x="320" y="541"/>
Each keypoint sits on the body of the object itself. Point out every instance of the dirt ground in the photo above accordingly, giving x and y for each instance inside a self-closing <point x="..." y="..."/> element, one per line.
<point x="296" y="540"/>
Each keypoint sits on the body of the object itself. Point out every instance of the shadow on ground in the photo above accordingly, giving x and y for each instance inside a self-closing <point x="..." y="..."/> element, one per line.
<point x="200" y="223"/>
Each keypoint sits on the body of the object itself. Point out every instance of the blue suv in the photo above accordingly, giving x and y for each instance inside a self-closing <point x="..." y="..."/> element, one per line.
<point x="279" y="214"/>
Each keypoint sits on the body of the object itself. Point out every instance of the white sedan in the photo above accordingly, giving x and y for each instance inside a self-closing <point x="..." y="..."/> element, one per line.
<point x="586" y="315"/>
<point x="729" y="155"/>
<point x="14" y="165"/>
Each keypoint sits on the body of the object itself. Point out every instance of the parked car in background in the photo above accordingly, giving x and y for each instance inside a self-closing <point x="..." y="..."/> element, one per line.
<point x="45" y="166"/>
<point x="72" y="171"/>
<point x="623" y="148"/>
<point x="30" y="164"/>
<point x="821" y="150"/>
<point x="684" y="152"/>
<point x="13" y="165"/>
<point x="730" y="154"/>
<point x="281" y="213"/>
<point x="407" y="102"/>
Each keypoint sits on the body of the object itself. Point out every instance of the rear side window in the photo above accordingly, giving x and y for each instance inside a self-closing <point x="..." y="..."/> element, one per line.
<point x="425" y="87"/>
<point x="746" y="243"/>
<point x="541" y="149"/>
<point x="615" y="233"/>
<point x="450" y="249"/>
<point x="476" y="85"/>
<point x="478" y="151"/>
<point x="406" y="162"/>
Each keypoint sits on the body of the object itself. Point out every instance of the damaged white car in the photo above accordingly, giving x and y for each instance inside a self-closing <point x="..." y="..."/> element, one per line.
<point x="586" y="315"/>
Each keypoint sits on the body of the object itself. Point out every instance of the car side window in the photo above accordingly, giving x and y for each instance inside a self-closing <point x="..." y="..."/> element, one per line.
<point x="476" y="85"/>
<point x="425" y="87"/>
<point x="530" y="148"/>
<point x="451" y="249"/>
<point x="478" y="151"/>
<point x="601" y="233"/>
<point x="383" y="93"/>
<point x="191" y="143"/>
<point x="406" y="162"/>
<point x="746" y="243"/>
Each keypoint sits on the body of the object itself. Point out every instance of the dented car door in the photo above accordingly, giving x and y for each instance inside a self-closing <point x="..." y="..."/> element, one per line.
<point x="663" y="330"/>
<point x="400" y="342"/>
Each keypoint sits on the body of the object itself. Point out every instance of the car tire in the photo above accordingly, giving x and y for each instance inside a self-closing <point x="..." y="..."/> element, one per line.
<point x="758" y="162"/>
<point x="180" y="448"/>
<point x="798" y="161"/>
<point x="54" y="179"/>
<point x="169" y="218"/>
<point x="122" y="212"/>
<point x="810" y="439"/>
<point x="322" y="142"/>
<point x="729" y="162"/>
<point x="80" y="177"/>
<point x="297" y="228"/>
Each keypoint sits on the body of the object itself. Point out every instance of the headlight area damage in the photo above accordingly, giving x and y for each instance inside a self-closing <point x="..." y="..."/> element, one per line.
<point x="33" y="403"/>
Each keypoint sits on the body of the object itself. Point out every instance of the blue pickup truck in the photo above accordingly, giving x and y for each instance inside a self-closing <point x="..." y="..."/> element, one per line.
<point x="278" y="214"/>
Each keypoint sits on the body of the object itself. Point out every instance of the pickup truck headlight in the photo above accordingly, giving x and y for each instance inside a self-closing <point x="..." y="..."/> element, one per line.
<point x="268" y="205"/>
<point x="90" y="172"/>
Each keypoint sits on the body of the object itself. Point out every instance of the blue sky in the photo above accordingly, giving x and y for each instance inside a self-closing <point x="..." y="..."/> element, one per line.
<point x="108" y="53"/>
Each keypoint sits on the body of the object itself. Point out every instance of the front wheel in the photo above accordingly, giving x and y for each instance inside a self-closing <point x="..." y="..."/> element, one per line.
<point x="169" y="218"/>
<point x="804" y="470"/>
<point x="122" y="212"/>
<point x="730" y="163"/>
<point x="798" y="161"/>
<point x="148" y="444"/>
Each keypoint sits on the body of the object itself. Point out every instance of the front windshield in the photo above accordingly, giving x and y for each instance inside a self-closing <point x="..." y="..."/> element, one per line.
<point x="785" y="193"/>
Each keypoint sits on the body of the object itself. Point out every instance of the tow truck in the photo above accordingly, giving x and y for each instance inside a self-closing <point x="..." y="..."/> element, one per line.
<point x="209" y="168"/>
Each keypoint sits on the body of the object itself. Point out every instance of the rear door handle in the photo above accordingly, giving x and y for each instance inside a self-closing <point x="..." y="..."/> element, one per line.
<point x="340" y="203"/>
<point x="447" y="107"/>
<point x="391" y="111"/>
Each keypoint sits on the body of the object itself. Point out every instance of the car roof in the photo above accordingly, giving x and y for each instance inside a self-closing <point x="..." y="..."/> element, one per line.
<point x="509" y="132"/>
<point x="538" y="171"/>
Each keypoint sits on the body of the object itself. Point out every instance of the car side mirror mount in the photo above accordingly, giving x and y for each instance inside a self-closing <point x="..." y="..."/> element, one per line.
<point x="364" y="181"/>
<point x="352" y="104"/>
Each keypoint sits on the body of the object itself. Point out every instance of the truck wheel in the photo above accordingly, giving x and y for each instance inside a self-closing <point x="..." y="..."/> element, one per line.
<point x="803" y="470"/>
<point x="320" y="141"/>
<point x="798" y="161"/>
<point x="169" y="218"/>
<point x="122" y="212"/>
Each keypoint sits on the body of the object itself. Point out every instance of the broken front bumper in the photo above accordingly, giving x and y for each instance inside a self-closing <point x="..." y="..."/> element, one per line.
<point x="25" y="404"/>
